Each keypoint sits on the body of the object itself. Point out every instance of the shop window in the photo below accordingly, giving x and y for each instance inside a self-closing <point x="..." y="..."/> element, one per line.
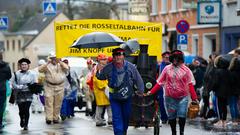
<point x="214" y="45"/>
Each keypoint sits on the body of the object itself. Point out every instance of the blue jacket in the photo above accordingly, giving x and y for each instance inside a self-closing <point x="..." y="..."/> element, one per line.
<point x="134" y="76"/>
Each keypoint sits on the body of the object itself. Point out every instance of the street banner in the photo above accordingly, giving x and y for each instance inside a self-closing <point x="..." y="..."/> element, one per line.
<point x="69" y="31"/>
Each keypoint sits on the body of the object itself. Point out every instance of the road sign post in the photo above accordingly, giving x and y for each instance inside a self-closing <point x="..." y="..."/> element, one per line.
<point x="49" y="8"/>
<point x="182" y="26"/>
<point x="3" y="23"/>
<point x="182" y="39"/>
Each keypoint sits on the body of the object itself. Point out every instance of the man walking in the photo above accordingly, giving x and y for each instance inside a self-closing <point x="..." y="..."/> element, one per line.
<point x="55" y="74"/>
<point x="5" y="74"/>
<point x="122" y="76"/>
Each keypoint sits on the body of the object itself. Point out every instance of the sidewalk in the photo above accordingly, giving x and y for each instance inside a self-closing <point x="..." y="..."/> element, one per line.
<point x="208" y="125"/>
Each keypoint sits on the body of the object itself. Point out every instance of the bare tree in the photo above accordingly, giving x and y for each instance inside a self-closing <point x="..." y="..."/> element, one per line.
<point x="90" y="9"/>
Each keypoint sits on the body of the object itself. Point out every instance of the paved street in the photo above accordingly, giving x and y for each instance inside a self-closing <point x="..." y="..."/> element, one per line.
<point x="81" y="124"/>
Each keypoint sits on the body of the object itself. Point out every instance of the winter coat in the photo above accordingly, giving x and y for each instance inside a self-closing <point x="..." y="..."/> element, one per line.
<point x="221" y="79"/>
<point x="23" y="94"/>
<point x="5" y="74"/>
<point x="99" y="87"/>
<point x="208" y="79"/>
<point x="235" y="76"/>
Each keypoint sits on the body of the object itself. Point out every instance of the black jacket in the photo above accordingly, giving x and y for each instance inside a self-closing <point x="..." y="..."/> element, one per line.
<point x="5" y="74"/>
<point x="222" y="77"/>
<point x="235" y="76"/>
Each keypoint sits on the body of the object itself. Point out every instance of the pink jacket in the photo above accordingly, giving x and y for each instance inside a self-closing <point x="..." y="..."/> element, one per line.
<point x="177" y="82"/>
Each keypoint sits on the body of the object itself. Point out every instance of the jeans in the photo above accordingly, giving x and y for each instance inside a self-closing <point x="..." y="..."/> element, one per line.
<point x="120" y="115"/>
<point x="176" y="107"/>
<point x="233" y="107"/>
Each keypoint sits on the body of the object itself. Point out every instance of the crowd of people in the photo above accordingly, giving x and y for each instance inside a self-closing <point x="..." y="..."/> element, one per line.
<point x="108" y="85"/>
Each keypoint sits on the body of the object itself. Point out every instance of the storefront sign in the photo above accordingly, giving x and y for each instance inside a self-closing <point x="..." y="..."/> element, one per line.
<point x="209" y="12"/>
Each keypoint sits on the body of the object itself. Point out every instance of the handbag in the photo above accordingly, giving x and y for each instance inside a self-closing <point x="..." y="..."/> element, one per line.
<point x="125" y="90"/>
<point x="193" y="110"/>
<point x="35" y="88"/>
<point x="13" y="93"/>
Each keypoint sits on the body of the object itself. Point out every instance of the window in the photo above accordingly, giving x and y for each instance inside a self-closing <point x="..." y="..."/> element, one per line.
<point x="154" y="7"/>
<point x="19" y="44"/>
<point x="189" y="4"/>
<point x="214" y="48"/>
<point x="164" y="6"/>
<point x="195" y="45"/>
<point x="13" y="66"/>
<point x="174" y="5"/>
<point x="13" y="45"/>
<point x="7" y="45"/>
<point x="2" y="47"/>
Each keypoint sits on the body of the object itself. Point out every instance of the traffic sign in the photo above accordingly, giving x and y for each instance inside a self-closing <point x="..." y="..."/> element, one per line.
<point x="182" y="26"/>
<point x="49" y="8"/>
<point x="182" y="39"/>
<point x="182" y="47"/>
<point x="3" y="23"/>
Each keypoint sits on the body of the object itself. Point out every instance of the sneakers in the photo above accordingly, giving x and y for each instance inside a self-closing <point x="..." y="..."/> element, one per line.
<point x="100" y="124"/>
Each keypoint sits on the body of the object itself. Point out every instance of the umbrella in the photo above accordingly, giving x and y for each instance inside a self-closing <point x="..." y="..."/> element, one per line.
<point x="188" y="57"/>
<point x="232" y="52"/>
<point x="97" y="40"/>
<point x="131" y="46"/>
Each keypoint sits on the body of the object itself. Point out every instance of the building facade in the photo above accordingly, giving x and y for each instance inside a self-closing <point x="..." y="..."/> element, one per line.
<point x="138" y="10"/>
<point x="230" y="27"/>
<point x="34" y="40"/>
<point x="202" y="39"/>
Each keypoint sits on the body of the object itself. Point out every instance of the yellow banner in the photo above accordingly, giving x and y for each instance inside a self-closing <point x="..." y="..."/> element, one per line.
<point x="69" y="31"/>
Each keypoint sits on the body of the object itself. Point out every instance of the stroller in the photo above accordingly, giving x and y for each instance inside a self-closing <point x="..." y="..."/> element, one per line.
<point x="145" y="113"/>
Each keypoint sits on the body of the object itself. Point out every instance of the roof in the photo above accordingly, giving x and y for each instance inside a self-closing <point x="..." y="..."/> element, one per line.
<point x="37" y="22"/>
<point x="36" y="25"/>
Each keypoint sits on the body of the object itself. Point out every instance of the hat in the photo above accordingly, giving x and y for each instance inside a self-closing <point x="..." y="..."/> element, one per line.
<point x="167" y="53"/>
<point x="52" y="55"/>
<point x="118" y="51"/>
<point x="24" y="60"/>
<point x="176" y="54"/>
<point x="101" y="56"/>
<point x="41" y="62"/>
